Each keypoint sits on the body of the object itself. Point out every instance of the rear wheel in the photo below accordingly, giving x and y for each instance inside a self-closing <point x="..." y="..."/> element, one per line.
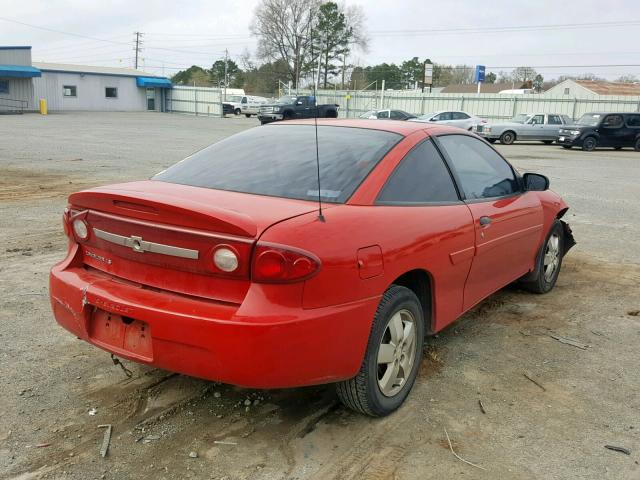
<point x="248" y="115"/>
<point x="236" y="111"/>
<point x="392" y="359"/>
<point x="507" y="138"/>
<point x="636" y="146"/>
<point x="549" y="261"/>
<point x="589" y="144"/>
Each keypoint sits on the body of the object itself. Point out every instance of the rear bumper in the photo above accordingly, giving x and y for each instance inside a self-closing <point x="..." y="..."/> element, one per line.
<point x="258" y="344"/>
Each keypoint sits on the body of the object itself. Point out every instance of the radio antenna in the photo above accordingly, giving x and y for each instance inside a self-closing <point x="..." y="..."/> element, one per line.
<point x="315" y="121"/>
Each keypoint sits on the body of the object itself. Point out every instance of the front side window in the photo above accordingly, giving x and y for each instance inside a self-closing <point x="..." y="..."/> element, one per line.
<point x="421" y="177"/>
<point x="383" y="114"/>
<point x="537" y="120"/>
<point x="612" y="121"/>
<point x="111" y="92"/>
<point x="69" y="91"/>
<point x="443" y="117"/>
<point x="482" y="172"/>
<point x="280" y="161"/>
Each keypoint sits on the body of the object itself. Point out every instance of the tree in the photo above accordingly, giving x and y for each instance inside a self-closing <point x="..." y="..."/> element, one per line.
<point x="627" y="79"/>
<point x="538" y="83"/>
<point x="389" y="72"/>
<point x="490" y="78"/>
<point x="191" y="75"/>
<point x="412" y="72"/>
<point x="332" y="36"/>
<point x="217" y="72"/>
<point x="523" y="74"/>
<point x="283" y="28"/>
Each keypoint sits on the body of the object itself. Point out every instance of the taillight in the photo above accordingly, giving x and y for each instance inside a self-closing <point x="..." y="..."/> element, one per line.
<point x="65" y="222"/>
<point x="280" y="264"/>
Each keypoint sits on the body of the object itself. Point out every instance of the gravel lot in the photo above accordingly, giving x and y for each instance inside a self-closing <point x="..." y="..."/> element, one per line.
<point x="554" y="427"/>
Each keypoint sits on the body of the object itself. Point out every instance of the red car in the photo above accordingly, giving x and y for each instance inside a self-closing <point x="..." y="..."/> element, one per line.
<point x="222" y="266"/>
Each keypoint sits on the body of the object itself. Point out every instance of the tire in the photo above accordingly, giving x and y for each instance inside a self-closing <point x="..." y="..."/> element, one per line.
<point x="287" y="116"/>
<point x="547" y="142"/>
<point x="508" y="137"/>
<point x="568" y="147"/>
<point x="248" y="115"/>
<point x="490" y="140"/>
<point x="548" y="261"/>
<point x="589" y="144"/>
<point x="237" y="111"/>
<point x="371" y="392"/>
<point x="636" y="146"/>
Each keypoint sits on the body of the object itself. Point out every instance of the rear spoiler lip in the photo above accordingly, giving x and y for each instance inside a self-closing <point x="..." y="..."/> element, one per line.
<point x="188" y="213"/>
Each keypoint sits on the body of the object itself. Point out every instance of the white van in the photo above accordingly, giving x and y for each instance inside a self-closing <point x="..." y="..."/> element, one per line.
<point x="246" y="104"/>
<point x="250" y="105"/>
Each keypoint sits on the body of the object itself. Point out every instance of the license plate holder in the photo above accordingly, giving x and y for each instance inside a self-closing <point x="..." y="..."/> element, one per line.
<point x="121" y="334"/>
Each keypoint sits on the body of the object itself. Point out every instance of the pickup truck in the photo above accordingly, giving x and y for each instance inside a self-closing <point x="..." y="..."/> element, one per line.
<point x="292" y="106"/>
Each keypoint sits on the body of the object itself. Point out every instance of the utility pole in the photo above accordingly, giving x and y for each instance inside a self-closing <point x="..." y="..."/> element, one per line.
<point x="138" y="48"/>
<point x="226" y="80"/>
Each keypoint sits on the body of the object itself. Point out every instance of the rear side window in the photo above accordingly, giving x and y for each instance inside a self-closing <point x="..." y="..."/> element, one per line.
<point x="459" y="116"/>
<point x="633" y="120"/>
<point x="482" y="172"/>
<point x="554" y="120"/>
<point x="280" y="161"/>
<point x="421" y="177"/>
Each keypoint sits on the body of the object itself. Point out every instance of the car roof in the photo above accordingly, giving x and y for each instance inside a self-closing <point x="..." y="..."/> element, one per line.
<point x="394" y="126"/>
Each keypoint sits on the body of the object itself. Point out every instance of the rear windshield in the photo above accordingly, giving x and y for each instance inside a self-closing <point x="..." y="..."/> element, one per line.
<point x="280" y="161"/>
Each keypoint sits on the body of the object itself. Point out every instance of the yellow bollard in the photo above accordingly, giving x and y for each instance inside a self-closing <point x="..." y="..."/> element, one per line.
<point x="43" y="106"/>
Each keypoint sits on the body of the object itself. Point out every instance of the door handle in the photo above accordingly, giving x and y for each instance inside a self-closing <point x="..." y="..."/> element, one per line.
<point x="484" y="221"/>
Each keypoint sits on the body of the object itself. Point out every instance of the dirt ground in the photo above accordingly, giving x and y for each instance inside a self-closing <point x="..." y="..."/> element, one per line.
<point x="515" y="400"/>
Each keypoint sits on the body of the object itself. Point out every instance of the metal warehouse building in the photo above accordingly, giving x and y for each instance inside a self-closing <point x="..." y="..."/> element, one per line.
<point x="75" y="87"/>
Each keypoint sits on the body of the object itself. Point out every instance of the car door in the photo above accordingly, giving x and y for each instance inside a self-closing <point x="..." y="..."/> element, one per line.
<point x="632" y="122"/>
<point x="422" y="200"/>
<point x="303" y="107"/>
<point x="532" y="129"/>
<point x="552" y="127"/>
<point x="507" y="221"/>
<point x="460" y="120"/>
<point x="612" y="131"/>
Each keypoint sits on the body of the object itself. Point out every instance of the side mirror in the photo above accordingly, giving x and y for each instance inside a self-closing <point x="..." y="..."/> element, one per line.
<point x="534" y="182"/>
<point x="298" y="102"/>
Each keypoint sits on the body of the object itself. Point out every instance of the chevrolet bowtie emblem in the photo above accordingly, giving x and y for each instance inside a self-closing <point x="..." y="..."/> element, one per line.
<point x="137" y="244"/>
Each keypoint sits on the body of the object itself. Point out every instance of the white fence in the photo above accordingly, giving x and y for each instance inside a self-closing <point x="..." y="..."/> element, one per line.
<point x="490" y="106"/>
<point x="195" y="101"/>
<point x="208" y="102"/>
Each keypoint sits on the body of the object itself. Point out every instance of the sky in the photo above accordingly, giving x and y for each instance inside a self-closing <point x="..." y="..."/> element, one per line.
<point x="556" y="37"/>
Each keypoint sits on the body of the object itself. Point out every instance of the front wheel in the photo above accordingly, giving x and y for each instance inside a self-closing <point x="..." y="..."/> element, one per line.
<point x="507" y="138"/>
<point x="636" y="146"/>
<point x="589" y="144"/>
<point x="548" y="261"/>
<point x="248" y="115"/>
<point x="392" y="359"/>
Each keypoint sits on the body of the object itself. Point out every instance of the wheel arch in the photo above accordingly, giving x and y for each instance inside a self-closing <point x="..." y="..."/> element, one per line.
<point x="420" y="282"/>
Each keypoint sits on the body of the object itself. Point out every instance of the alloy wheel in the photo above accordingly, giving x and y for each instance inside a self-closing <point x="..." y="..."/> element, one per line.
<point x="551" y="257"/>
<point x="396" y="353"/>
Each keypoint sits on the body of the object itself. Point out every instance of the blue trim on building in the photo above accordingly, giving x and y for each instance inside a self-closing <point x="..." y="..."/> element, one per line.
<point x="19" y="71"/>
<point x="15" y="48"/>
<point x="153" y="82"/>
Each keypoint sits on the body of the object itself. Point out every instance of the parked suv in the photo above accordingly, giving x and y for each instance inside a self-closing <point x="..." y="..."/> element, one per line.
<point x="617" y="130"/>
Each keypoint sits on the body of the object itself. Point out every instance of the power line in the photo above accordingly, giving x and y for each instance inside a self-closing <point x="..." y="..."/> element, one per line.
<point x="138" y="43"/>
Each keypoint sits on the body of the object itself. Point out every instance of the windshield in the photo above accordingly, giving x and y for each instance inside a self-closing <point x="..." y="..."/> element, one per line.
<point x="287" y="99"/>
<point x="521" y="118"/>
<point x="426" y="116"/>
<point x="369" y="114"/>
<point x="590" y="119"/>
<point x="280" y="161"/>
<point x="234" y="98"/>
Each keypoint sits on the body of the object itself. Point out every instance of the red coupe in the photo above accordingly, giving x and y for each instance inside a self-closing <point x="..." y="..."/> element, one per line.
<point x="224" y="267"/>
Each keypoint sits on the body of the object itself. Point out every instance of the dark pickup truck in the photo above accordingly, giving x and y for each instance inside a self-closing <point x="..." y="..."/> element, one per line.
<point x="292" y="106"/>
